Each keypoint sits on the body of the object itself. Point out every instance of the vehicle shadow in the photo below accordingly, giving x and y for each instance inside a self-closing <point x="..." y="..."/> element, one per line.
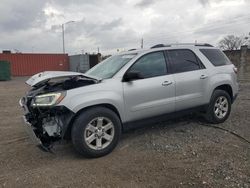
<point x="180" y="124"/>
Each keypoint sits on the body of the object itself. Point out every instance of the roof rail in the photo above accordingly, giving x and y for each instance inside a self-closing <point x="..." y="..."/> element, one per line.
<point x="132" y="49"/>
<point x="181" y="44"/>
<point x="158" y="46"/>
<point x="203" y="44"/>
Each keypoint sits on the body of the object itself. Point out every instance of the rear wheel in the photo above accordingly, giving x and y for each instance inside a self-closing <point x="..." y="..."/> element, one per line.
<point x="219" y="108"/>
<point x="96" y="132"/>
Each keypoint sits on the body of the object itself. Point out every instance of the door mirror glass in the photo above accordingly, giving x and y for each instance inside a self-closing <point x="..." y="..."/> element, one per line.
<point x="132" y="75"/>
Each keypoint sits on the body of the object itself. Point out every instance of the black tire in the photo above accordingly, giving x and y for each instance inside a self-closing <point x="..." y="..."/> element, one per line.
<point x="80" y="124"/>
<point x="210" y="115"/>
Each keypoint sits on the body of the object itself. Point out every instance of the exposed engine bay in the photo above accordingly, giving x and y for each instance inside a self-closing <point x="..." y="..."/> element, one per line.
<point x="50" y="123"/>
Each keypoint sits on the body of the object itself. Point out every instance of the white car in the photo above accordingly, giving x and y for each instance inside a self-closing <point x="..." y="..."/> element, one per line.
<point x="93" y="109"/>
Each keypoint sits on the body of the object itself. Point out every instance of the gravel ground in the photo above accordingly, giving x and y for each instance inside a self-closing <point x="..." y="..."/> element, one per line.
<point x="177" y="153"/>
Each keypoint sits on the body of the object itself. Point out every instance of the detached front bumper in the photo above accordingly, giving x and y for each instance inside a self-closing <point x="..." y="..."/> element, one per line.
<point x="47" y="127"/>
<point x="30" y="130"/>
<point x="28" y="127"/>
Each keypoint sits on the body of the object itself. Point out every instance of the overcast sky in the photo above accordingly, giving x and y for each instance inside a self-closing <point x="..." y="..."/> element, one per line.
<point x="35" y="25"/>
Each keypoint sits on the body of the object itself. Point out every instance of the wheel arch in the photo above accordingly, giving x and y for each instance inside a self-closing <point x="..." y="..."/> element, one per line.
<point x="227" y="88"/>
<point x="67" y="134"/>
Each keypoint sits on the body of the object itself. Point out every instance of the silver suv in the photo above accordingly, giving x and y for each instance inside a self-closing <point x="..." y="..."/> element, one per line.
<point x="93" y="109"/>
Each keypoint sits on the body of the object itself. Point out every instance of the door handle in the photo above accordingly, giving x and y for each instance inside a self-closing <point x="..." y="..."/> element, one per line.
<point x="166" y="83"/>
<point x="203" y="76"/>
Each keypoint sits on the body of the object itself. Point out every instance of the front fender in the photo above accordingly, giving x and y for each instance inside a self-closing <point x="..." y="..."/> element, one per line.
<point x="77" y="102"/>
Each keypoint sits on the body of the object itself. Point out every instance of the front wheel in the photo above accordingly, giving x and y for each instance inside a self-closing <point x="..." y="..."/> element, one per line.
<point x="219" y="108"/>
<point x="96" y="132"/>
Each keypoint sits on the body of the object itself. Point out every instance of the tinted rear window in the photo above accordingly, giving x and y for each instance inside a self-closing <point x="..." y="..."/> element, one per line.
<point x="216" y="57"/>
<point x="183" y="61"/>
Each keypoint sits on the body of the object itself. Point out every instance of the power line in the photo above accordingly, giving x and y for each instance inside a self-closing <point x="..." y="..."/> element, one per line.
<point x="213" y="25"/>
<point x="209" y="27"/>
<point x="173" y="36"/>
<point x="176" y="35"/>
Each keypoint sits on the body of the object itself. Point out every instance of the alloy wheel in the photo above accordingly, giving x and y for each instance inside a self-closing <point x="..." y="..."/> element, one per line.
<point x="221" y="107"/>
<point x="99" y="133"/>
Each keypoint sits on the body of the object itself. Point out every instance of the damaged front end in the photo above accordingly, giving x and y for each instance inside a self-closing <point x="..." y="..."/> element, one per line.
<point x="47" y="121"/>
<point x="46" y="125"/>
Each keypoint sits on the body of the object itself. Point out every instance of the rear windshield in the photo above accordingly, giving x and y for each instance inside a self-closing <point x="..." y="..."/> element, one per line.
<point x="216" y="57"/>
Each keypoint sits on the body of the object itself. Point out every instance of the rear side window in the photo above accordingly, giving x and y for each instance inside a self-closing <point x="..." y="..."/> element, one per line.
<point x="183" y="61"/>
<point x="216" y="57"/>
<point x="151" y="65"/>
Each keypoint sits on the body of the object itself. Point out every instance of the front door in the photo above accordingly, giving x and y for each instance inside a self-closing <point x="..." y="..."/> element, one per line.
<point x="152" y="95"/>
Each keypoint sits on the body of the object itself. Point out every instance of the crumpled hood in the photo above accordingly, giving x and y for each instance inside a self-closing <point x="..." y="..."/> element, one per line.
<point x="47" y="75"/>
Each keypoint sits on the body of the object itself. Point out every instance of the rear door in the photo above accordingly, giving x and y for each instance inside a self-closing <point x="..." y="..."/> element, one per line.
<point x="154" y="94"/>
<point x="190" y="77"/>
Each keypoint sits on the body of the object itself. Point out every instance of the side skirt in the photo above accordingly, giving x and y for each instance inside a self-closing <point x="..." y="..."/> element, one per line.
<point x="152" y="120"/>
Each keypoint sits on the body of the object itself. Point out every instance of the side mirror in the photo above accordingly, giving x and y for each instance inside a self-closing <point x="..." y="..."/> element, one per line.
<point x="132" y="75"/>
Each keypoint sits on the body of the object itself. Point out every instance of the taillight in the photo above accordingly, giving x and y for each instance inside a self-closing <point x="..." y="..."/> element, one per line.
<point x="235" y="70"/>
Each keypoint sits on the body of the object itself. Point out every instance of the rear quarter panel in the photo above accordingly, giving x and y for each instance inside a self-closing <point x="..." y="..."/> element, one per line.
<point x="222" y="75"/>
<point x="218" y="75"/>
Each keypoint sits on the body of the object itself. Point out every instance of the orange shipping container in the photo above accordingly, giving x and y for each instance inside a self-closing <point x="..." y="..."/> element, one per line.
<point x="25" y="64"/>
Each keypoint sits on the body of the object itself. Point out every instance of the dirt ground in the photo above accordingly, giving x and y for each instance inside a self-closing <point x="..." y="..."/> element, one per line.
<point x="177" y="153"/>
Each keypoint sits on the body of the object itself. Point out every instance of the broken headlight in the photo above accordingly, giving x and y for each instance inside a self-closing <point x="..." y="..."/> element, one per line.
<point x="48" y="99"/>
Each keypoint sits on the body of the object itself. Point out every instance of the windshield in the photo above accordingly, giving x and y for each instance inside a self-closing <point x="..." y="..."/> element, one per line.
<point x="109" y="67"/>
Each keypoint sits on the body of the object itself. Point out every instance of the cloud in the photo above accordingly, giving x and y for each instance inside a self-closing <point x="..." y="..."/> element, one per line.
<point x="204" y="2"/>
<point x="35" y="24"/>
<point x="16" y="15"/>
<point x="106" y="35"/>
<point x="113" y="24"/>
<point x="144" y="3"/>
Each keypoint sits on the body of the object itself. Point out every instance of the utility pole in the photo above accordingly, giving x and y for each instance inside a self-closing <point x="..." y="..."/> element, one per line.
<point x="141" y="43"/>
<point x="63" y="34"/>
<point x="63" y="38"/>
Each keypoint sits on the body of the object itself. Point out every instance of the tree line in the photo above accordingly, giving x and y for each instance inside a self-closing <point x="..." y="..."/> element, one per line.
<point x="232" y="42"/>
